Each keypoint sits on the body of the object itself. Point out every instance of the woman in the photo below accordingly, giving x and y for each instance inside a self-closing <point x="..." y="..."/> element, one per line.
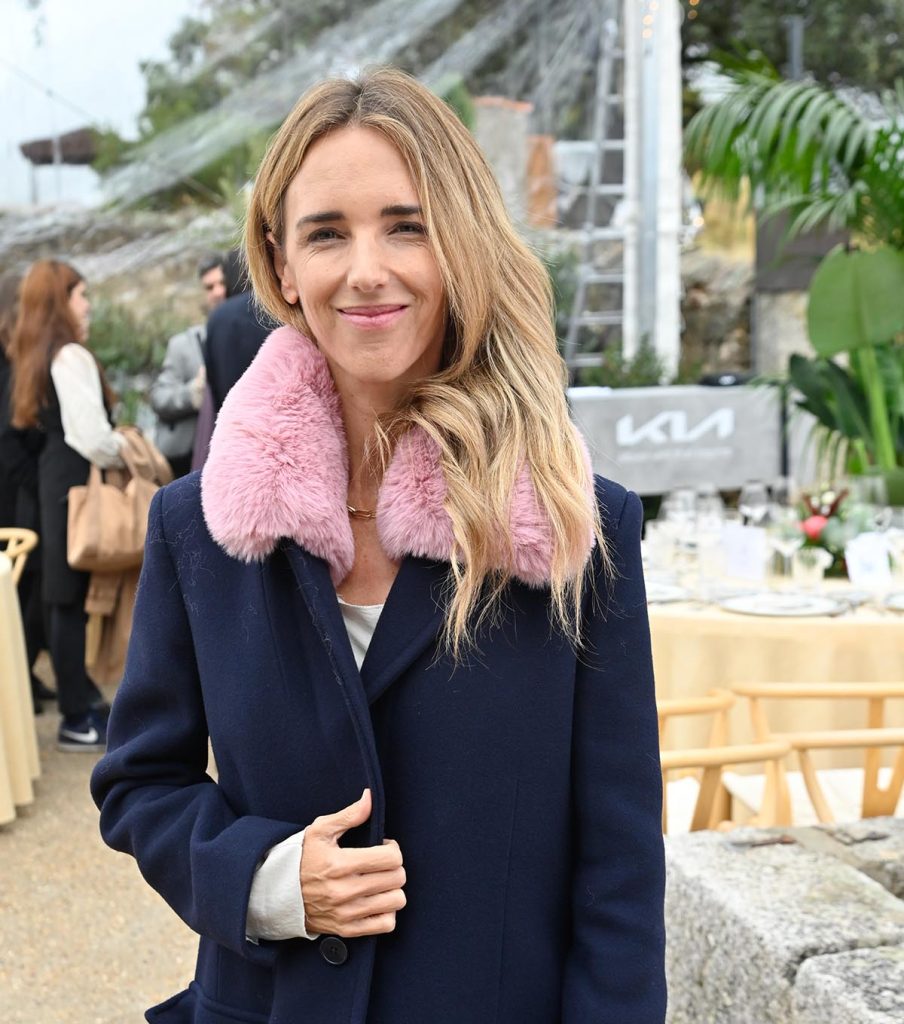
<point x="385" y="580"/>
<point x="59" y="387"/>
<point x="19" y="451"/>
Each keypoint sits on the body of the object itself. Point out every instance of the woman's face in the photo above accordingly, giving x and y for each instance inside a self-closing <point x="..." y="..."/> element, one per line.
<point x="80" y="305"/>
<point x="357" y="260"/>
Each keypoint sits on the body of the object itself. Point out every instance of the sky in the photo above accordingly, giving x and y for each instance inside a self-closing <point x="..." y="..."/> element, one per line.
<point x="88" y="55"/>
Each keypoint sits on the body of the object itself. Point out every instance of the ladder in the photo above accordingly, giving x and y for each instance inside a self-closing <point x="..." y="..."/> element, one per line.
<point x="592" y="307"/>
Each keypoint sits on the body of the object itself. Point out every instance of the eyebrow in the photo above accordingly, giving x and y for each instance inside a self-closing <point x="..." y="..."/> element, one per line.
<point x="328" y="216"/>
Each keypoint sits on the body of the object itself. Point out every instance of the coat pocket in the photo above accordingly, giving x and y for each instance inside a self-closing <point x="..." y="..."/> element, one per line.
<point x="193" y="1007"/>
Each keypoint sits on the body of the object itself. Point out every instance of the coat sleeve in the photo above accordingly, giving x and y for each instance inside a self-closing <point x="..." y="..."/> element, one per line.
<point x="156" y="799"/>
<point x="172" y="395"/>
<point x="615" y="964"/>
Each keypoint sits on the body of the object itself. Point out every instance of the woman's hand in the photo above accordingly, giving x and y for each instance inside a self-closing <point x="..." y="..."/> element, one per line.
<point x="349" y="891"/>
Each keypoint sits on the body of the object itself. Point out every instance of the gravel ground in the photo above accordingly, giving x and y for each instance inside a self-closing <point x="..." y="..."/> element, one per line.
<point x="83" y="939"/>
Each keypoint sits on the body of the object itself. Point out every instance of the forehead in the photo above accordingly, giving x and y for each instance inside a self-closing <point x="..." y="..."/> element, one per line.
<point x="213" y="275"/>
<point x="351" y="165"/>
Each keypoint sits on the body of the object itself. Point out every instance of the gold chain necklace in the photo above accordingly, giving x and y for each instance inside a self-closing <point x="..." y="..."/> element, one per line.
<point x="361" y="513"/>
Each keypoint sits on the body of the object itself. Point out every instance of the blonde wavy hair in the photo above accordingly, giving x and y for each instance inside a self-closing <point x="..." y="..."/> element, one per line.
<point x="498" y="401"/>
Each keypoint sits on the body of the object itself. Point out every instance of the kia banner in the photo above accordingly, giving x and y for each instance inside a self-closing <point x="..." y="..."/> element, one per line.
<point x="655" y="439"/>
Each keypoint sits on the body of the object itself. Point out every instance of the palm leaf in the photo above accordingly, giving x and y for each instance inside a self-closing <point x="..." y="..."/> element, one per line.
<point x="809" y="377"/>
<point x="797" y="143"/>
<point x="850" y="403"/>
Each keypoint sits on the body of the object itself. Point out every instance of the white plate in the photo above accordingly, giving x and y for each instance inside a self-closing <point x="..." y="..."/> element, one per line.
<point x="663" y="593"/>
<point x="784" y="605"/>
<point x="895" y="602"/>
<point x="854" y="598"/>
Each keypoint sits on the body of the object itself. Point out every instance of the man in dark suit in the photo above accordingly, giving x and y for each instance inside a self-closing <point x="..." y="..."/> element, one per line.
<point x="235" y="331"/>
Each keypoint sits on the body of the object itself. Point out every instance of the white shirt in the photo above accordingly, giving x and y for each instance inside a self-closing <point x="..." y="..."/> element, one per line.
<point x="276" y="903"/>
<point x="85" y="424"/>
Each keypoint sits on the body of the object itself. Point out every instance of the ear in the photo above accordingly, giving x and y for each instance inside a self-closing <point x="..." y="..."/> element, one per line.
<point x="284" y="272"/>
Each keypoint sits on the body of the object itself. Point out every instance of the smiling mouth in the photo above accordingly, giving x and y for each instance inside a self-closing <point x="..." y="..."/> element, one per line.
<point x="372" y="317"/>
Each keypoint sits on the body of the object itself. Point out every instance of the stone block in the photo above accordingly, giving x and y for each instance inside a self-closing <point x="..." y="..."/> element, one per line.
<point x="875" y="847"/>
<point x="745" y="910"/>
<point x="864" y="986"/>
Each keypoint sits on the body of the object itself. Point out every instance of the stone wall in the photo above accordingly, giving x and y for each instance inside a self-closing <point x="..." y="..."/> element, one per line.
<point x="793" y="926"/>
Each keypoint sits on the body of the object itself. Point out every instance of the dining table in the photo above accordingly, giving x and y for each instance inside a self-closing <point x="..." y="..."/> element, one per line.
<point x="19" y="762"/>
<point x="700" y="645"/>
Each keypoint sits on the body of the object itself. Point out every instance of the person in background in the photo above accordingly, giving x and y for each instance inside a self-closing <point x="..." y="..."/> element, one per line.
<point x="406" y="616"/>
<point x="19" y="451"/>
<point x="59" y="387"/>
<point x="235" y="332"/>
<point x="9" y="287"/>
<point x="212" y="274"/>
<point x="178" y="392"/>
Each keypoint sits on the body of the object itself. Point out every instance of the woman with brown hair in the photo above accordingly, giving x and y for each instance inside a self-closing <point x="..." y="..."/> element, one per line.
<point x="396" y="574"/>
<point x="19" y="451"/>
<point x="59" y="388"/>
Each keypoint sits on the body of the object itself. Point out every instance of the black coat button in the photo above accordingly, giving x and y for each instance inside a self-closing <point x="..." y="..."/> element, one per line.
<point x="333" y="950"/>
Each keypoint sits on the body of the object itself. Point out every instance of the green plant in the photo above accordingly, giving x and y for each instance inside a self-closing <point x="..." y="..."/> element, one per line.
<point x="130" y="401"/>
<point x="803" y="150"/>
<point x="455" y="93"/>
<point x="644" y="369"/>
<point x="562" y="267"/>
<point x="127" y="343"/>
<point x="809" y="154"/>
<point x="855" y="307"/>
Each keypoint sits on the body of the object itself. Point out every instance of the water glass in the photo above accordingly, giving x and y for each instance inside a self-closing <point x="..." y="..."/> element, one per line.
<point x="809" y="566"/>
<point x="753" y="502"/>
<point x="784" y="533"/>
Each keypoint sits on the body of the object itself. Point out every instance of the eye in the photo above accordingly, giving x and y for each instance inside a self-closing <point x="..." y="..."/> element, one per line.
<point x="323" y="235"/>
<point x="410" y="227"/>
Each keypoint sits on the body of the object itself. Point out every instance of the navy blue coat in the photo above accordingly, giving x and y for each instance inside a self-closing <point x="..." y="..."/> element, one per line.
<point x="522" y="786"/>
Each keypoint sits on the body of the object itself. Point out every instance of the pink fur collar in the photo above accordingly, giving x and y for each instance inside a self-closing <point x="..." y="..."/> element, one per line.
<point x="278" y="468"/>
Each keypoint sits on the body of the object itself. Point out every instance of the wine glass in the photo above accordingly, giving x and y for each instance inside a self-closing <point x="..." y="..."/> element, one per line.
<point x="784" y="533"/>
<point x="678" y="511"/>
<point x="868" y="506"/>
<point x="753" y="502"/>
<point x="784" y="491"/>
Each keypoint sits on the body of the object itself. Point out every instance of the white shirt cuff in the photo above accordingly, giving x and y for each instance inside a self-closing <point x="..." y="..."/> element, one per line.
<point x="276" y="906"/>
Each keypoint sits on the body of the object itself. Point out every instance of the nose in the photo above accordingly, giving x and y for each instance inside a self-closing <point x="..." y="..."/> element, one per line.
<point x="367" y="271"/>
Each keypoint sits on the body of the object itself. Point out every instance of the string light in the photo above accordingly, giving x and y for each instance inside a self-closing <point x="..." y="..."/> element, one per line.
<point x="648" y="19"/>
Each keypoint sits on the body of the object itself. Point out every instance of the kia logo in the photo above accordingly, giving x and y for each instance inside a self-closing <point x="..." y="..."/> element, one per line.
<point x="672" y="428"/>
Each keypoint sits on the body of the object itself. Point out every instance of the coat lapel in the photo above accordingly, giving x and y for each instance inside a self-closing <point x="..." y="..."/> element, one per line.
<point x="312" y="575"/>
<point x="410" y="621"/>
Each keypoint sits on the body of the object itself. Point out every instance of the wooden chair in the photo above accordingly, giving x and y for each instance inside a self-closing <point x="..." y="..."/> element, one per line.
<point x="712" y="801"/>
<point x="18" y="544"/>
<point x="879" y="788"/>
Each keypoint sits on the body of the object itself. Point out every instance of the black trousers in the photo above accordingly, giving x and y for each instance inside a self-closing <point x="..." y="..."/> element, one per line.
<point x="76" y="691"/>
<point x="33" y="614"/>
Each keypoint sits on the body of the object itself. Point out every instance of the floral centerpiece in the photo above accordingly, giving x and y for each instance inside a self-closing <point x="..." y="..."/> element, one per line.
<point x="825" y="524"/>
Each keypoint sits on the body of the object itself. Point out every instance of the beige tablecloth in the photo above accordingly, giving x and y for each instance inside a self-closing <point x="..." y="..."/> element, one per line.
<point x="19" y="764"/>
<point x="697" y="649"/>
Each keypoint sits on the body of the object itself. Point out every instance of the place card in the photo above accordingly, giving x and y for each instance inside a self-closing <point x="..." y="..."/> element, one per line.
<point x="746" y="552"/>
<point x="866" y="556"/>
